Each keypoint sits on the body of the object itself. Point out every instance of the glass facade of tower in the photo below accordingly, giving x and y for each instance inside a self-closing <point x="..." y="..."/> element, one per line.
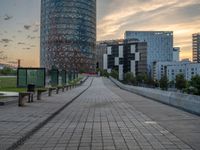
<point x="68" y="34"/>
<point x="159" y="45"/>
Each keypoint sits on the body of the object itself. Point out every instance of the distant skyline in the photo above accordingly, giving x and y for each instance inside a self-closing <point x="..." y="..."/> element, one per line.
<point x="20" y="24"/>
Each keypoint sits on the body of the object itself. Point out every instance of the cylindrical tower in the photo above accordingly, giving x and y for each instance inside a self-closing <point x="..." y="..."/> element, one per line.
<point x="68" y="34"/>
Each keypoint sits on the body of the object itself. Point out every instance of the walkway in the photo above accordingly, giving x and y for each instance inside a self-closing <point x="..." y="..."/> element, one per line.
<point x="185" y="126"/>
<point x="16" y="123"/>
<point x="105" y="118"/>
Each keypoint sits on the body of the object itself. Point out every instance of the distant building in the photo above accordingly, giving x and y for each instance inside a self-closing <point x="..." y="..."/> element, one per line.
<point x="159" y="45"/>
<point x="196" y="47"/>
<point x="186" y="59"/>
<point x="172" y="69"/>
<point x="2" y="66"/>
<point x="176" y="53"/>
<point x="126" y="56"/>
<point x="101" y="49"/>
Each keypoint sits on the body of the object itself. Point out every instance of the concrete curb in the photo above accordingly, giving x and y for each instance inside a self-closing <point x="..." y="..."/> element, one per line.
<point x="12" y="100"/>
<point x="19" y="142"/>
<point x="186" y="102"/>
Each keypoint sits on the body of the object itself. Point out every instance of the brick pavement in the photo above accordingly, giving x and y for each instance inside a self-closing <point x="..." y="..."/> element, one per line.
<point x="182" y="124"/>
<point x="100" y="119"/>
<point x="17" y="122"/>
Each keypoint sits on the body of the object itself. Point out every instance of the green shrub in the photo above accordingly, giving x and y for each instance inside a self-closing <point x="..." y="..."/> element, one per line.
<point x="164" y="83"/>
<point x="181" y="83"/>
<point x="114" y="74"/>
<point x="129" y="78"/>
<point x="141" y="78"/>
<point x="8" y="71"/>
<point x="195" y="83"/>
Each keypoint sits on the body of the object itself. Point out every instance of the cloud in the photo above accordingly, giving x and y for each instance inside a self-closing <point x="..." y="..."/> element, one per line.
<point x="27" y="27"/>
<point x="36" y="30"/>
<point x="31" y="37"/>
<point x="7" y="17"/>
<point x="12" y="62"/>
<point x="144" y="14"/>
<point x="36" y="26"/>
<point x="182" y="17"/>
<point x="27" y="48"/>
<point x="21" y="43"/>
<point x="6" y="40"/>
<point x="2" y="55"/>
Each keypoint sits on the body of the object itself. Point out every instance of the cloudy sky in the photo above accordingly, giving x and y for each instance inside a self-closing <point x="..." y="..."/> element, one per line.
<point x="20" y="23"/>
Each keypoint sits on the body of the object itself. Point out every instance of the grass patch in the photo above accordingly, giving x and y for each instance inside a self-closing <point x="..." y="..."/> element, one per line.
<point x="8" y="84"/>
<point x="75" y="81"/>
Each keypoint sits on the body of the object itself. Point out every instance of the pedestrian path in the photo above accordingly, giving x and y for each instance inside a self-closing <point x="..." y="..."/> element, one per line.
<point x="184" y="125"/>
<point x="101" y="120"/>
<point x="16" y="123"/>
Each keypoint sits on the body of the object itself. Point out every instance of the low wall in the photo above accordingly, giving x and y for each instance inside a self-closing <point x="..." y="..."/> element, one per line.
<point x="190" y="103"/>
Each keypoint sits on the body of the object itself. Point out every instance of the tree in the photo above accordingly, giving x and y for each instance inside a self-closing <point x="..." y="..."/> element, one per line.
<point x="195" y="82"/>
<point x="141" y="78"/>
<point x="171" y="84"/>
<point x="129" y="78"/>
<point x="105" y="73"/>
<point x="114" y="74"/>
<point x="151" y="82"/>
<point x="8" y="71"/>
<point x="164" y="83"/>
<point x="181" y="83"/>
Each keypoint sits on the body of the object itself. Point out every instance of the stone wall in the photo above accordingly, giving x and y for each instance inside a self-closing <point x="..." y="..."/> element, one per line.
<point x="190" y="103"/>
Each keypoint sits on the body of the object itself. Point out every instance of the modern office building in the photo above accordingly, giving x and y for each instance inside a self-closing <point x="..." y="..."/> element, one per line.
<point x="176" y="53"/>
<point x="101" y="49"/>
<point x="196" y="47"/>
<point x="126" y="56"/>
<point x="159" y="45"/>
<point x="172" y="69"/>
<point x="68" y="34"/>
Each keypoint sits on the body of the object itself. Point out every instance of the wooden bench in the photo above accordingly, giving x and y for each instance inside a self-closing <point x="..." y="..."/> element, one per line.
<point x="22" y="95"/>
<point x="39" y="93"/>
<point x="50" y="90"/>
<point x="69" y="86"/>
<point x="58" y="88"/>
<point x="66" y="87"/>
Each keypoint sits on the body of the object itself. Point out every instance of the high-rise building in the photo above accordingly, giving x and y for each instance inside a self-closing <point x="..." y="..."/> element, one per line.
<point x="196" y="47"/>
<point x="159" y="45"/>
<point x="126" y="56"/>
<point x="68" y="34"/>
<point x="176" y="53"/>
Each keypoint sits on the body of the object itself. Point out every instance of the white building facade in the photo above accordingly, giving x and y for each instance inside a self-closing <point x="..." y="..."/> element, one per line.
<point x="172" y="69"/>
<point x="128" y="56"/>
<point x="159" y="45"/>
<point x="176" y="54"/>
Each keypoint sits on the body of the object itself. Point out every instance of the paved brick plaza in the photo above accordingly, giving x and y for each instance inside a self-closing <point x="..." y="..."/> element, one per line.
<point x="16" y="122"/>
<point x="102" y="119"/>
